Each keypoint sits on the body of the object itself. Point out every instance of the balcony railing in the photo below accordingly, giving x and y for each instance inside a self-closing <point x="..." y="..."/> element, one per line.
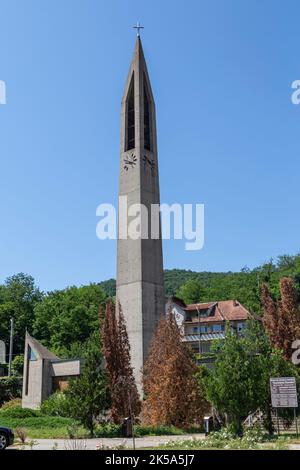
<point x="203" y="337"/>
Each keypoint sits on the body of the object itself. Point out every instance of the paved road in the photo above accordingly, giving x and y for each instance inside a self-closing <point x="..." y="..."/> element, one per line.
<point x="294" y="447"/>
<point x="93" y="444"/>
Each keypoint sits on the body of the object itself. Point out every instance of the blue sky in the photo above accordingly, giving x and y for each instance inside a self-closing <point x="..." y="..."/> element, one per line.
<point x="228" y="133"/>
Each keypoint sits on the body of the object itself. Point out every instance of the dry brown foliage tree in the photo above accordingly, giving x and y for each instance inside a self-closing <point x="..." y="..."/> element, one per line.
<point x="172" y="395"/>
<point x="281" y="318"/>
<point x="116" y="350"/>
<point x="270" y="316"/>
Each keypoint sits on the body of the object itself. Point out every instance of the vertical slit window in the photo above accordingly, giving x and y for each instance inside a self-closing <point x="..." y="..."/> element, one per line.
<point x="130" y="137"/>
<point x="27" y="370"/>
<point x="147" y="118"/>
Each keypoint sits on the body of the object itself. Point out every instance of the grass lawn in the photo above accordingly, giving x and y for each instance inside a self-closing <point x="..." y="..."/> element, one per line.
<point x="44" y="427"/>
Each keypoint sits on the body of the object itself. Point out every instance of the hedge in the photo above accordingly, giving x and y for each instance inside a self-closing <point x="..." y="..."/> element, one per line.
<point x="10" y="387"/>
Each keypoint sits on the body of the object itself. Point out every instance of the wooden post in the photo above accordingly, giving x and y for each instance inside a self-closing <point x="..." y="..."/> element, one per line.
<point x="278" y="430"/>
<point x="296" y="422"/>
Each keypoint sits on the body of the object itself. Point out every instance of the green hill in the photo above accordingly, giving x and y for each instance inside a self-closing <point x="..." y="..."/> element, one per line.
<point x="243" y="285"/>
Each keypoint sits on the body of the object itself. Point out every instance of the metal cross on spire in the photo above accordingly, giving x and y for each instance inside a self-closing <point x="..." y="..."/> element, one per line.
<point x="138" y="27"/>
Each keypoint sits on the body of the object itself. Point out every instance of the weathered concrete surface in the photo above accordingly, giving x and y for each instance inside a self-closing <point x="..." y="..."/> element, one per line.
<point x="41" y="366"/>
<point x="140" y="284"/>
<point x="91" y="444"/>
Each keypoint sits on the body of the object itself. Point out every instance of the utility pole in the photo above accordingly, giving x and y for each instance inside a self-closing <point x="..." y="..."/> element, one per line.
<point x="11" y="345"/>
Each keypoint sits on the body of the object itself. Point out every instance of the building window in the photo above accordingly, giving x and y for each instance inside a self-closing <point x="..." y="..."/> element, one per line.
<point x="218" y="328"/>
<point x="202" y="329"/>
<point x="130" y="118"/>
<point x="61" y="383"/>
<point x="147" y="118"/>
<point x="205" y="347"/>
<point x="241" y="326"/>
<point x="31" y="354"/>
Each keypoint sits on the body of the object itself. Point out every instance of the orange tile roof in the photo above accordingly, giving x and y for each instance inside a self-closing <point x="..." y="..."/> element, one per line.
<point x="226" y="310"/>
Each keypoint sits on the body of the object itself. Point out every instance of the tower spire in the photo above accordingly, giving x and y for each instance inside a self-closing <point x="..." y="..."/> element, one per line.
<point x="140" y="284"/>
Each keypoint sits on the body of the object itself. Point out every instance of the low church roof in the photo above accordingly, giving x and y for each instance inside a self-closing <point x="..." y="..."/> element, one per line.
<point x="39" y="349"/>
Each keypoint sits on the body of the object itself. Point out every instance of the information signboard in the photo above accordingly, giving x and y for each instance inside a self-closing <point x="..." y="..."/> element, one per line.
<point x="284" y="392"/>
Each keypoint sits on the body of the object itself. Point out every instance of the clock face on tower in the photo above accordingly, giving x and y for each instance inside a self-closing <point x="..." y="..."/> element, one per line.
<point x="129" y="161"/>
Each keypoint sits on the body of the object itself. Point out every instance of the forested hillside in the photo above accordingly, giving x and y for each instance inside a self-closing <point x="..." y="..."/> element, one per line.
<point x="64" y="319"/>
<point x="244" y="286"/>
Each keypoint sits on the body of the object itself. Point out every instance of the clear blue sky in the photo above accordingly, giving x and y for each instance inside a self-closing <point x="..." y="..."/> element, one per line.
<point x="228" y="133"/>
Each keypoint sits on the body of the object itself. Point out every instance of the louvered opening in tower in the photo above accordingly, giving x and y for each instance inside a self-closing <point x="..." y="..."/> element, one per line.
<point x="147" y="118"/>
<point x="130" y="119"/>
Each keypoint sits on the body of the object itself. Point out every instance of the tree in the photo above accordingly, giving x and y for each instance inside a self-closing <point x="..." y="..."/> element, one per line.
<point x="116" y="349"/>
<point x="191" y="292"/>
<point x="88" y="396"/>
<point x="282" y="318"/>
<point x="239" y="382"/>
<point x="18" y="298"/>
<point x="232" y="386"/>
<point x="270" y="317"/>
<point x="17" y="365"/>
<point x="172" y="395"/>
<point x="68" y="317"/>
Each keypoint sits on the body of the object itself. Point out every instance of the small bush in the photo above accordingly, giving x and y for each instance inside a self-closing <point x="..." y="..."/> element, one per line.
<point x="17" y="365"/>
<point x="56" y="405"/>
<point x="108" y="430"/>
<point x="10" y="387"/>
<point x="75" y="431"/>
<point x="15" y="403"/>
<point x="18" y="412"/>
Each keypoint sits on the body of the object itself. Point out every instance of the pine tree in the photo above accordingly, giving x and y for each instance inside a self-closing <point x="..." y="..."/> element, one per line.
<point x="282" y="318"/>
<point x="88" y="395"/>
<point x="172" y="395"/>
<point x="116" y="349"/>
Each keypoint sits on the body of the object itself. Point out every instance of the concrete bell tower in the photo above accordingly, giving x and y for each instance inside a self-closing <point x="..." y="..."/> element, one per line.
<point x="140" y="284"/>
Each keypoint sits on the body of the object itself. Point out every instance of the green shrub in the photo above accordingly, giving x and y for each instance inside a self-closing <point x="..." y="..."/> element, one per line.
<point x="142" y="430"/>
<point x="10" y="387"/>
<point x="56" y="405"/>
<point x="108" y="430"/>
<point x="19" y="413"/>
<point x="17" y="365"/>
<point x="114" y="430"/>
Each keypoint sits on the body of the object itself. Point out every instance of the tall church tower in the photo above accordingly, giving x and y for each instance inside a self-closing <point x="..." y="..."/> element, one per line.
<point x="140" y="285"/>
